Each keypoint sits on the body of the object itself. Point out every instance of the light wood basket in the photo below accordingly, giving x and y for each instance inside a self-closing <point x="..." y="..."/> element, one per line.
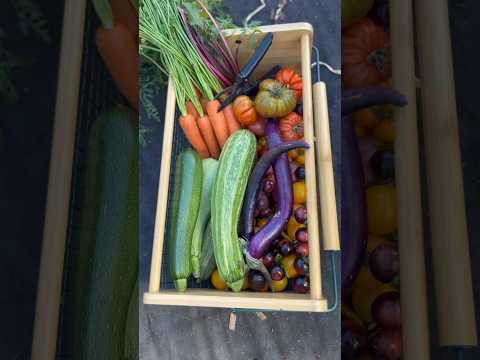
<point x="291" y="46"/>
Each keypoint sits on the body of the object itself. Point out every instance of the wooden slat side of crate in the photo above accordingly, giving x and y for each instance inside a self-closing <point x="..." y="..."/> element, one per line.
<point x="292" y="37"/>
<point x="59" y="183"/>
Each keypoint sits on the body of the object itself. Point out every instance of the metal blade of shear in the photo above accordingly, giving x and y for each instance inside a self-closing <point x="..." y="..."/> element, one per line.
<point x="260" y="52"/>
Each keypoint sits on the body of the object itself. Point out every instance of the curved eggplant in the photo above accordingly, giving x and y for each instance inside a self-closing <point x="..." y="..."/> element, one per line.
<point x="353" y="228"/>
<point x="357" y="99"/>
<point x="256" y="178"/>
<point x="261" y="241"/>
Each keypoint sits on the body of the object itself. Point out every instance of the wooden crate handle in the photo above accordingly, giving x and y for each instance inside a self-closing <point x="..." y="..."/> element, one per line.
<point x="326" y="182"/>
<point x="413" y="287"/>
<point x="47" y="310"/>
<point x="450" y="246"/>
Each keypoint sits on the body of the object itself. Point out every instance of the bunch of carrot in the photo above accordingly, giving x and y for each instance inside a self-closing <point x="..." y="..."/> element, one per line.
<point x="117" y="43"/>
<point x="208" y="132"/>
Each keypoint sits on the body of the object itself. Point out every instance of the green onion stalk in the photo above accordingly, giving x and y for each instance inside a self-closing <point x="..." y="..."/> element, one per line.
<point x="165" y="43"/>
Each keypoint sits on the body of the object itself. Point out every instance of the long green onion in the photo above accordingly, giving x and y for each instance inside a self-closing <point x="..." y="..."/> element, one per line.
<point x="164" y="42"/>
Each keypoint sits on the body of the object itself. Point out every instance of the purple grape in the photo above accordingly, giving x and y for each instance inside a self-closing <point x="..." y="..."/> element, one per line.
<point x="257" y="281"/>
<point x="268" y="185"/>
<point x="256" y="213"/>
<point x="301" y="214"/>
<point x="301" y="266"/>
<point x="277" y="273"/>
<point x="384" y="262"/>
<point x="301" y="235"/>
<point x="300" y="173"/>
<point x="301" y="284"/>
<point x="386" y="310"/>
<point x="302" y="249"/>
<point x="262" y="201"/>
<point x="285" y="247"/>
<point x="266" y="212"/>
<point x="268" y="260"/>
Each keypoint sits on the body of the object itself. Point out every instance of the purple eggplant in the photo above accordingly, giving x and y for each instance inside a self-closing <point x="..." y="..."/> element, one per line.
<point x="357" y="99"/>
<point x="261" y="241"/>
<point x="256" y="178"/>
<point x="353" y="229"/>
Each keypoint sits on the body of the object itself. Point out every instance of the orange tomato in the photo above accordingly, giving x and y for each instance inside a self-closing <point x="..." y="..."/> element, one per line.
<point x="279" y="285"/>
<point x="381" y="209"/>
<point x="291" y="127"/>
<point x="289" y="78"/>
<point x="288" y="266"/>
<point x="385" y="131"/>
<point x="299" y="192"/>
<point x="244" y="110"/>
<point x="217" y="281"/>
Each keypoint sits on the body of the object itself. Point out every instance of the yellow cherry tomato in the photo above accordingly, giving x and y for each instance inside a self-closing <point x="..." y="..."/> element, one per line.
<point x="279" y="285"/>
<point x="385" y="131"/>
<point x="217" y="281"/>
<point x="300" y="160"/>
<point x="365" y="280"/>
<point x="293" y="154"/>
<point x="288" y="266"/>
<point x="292" y="227"/>
<point x="299" y="192"/>
<point x="381" y="209"/>
<point x="366" y="118"/>
<point x="360" y="131"/>
<point x="261" y="222"/>
<point x="362" y="300"/>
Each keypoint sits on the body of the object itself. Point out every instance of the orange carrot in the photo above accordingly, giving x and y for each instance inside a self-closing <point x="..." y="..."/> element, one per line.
<point x="190" y="128"/>
<point x="191" y="109"/>
<point x="218" y="121"/>
<point x="124" y="13"/>
<point x="204" y="102"/>
<point x="209" y="136"/>
<point x="120" y="54"/>
<point x="233" y="124"/>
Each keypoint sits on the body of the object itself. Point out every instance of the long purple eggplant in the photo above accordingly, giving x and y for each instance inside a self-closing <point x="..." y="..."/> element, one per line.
<point x="357" y="99"/>
<point x="261" y="241"/>
<point x="246" y="225"/>
<point x="353" y="229"/>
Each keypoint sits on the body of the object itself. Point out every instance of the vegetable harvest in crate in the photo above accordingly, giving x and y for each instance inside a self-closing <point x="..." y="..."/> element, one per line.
<point x="239" y="215"/>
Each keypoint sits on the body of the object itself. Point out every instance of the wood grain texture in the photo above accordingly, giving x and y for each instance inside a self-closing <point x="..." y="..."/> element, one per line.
<point x="450" y="248"/>
<point x="410" y="228"/>
<point x="59" y="183"/>
<point x="326" y="182"/>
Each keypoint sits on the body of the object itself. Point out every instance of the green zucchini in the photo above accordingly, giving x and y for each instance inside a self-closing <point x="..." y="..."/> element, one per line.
<point x="207" y="258"/>
<point x="111" y="153"/>
<point x="235" y="164"/>
<point x="114" y="262"/>
<point x="131" y="327"/>
<point x="186" y="202"/>
<point x="209" y="172"/>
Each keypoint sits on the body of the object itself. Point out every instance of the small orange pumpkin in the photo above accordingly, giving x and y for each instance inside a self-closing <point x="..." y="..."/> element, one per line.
<point x="244" y="110"/>
<point x="289" y="78"/>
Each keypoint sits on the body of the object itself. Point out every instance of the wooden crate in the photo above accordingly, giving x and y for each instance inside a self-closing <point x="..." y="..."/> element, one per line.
<point x="291" y="46"/>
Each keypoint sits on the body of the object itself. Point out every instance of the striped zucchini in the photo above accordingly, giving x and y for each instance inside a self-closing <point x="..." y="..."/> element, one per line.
<point x="209" y="168"/>
<point x="207" y="258"/>
<point x="186" y="202"/>
<point x="235" y="164"/>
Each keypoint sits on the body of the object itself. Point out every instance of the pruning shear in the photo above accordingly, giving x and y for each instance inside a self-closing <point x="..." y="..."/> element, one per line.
<point x="241" y="85"/>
